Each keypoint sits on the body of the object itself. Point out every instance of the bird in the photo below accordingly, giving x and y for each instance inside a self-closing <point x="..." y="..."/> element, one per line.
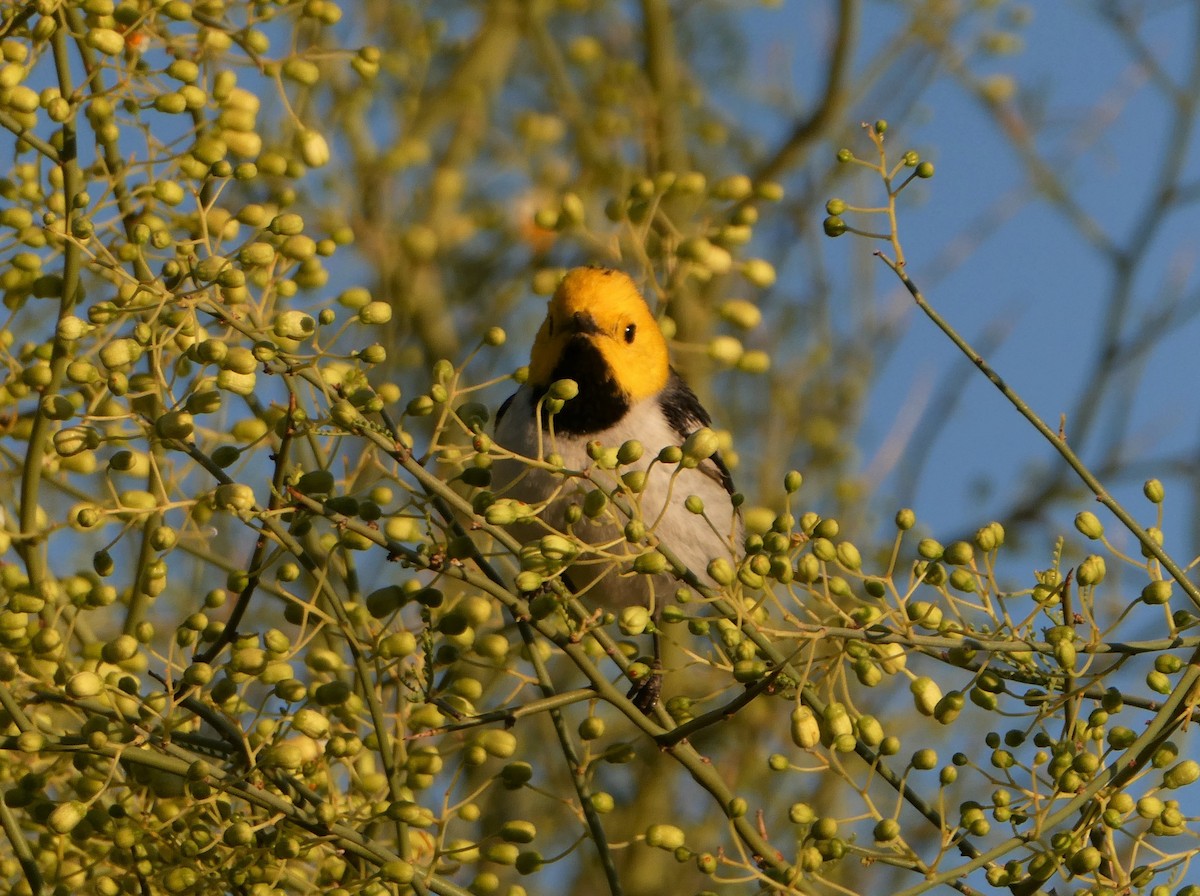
<point x="600" y="333"/>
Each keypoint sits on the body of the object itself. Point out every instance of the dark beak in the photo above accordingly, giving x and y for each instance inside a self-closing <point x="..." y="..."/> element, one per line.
<point x="584" y="323"/>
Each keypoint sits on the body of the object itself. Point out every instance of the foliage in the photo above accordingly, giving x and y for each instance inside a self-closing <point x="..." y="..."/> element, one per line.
<point x="265" y="627"/>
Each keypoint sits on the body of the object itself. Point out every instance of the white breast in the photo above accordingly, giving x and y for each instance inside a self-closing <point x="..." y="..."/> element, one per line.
<point x="600" y="575"/>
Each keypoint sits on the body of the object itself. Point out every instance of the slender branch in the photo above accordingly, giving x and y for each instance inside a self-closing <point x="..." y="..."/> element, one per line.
<point x="1058" y="442"/>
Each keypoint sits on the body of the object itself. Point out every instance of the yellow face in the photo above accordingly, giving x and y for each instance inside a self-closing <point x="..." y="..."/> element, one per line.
<point x="604" y="308"/>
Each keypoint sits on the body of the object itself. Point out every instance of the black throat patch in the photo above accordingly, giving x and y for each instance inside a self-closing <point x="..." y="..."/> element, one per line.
<point x="600" y="402"/>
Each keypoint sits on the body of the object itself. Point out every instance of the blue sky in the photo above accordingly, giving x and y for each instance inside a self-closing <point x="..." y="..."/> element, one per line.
<point x="1033" y="278"/>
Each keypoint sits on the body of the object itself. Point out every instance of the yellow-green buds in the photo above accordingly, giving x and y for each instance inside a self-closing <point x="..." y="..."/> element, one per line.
<point x="633" y="621"/>
<point x="926" y="694"/>
<point x="833" y="226"/>
<point x="1153" y="490"/>
<point x="805" y="730"/>
<point x="699" y="446"/>
<point x="1157" y="593"/>
<point x="1089" y="524"/>
<point x="721" y="571"/>
<point x="742" y="314"/>
<point x="1186" y="772"/>
<point x="313" y="149"/>
<point x="664" y="836"/>
<point x="1091" y="571"/>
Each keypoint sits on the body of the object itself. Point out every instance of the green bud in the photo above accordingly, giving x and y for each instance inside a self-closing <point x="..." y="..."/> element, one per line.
<point x="1157" y="593"/>
<point x="926" y="694"/>
<point x="563" y="390"/>
<point x="108" y="42"/>
<point x="1089" y="524"/>
<point x="664" y="836"/>
<point x="930" y="549"/>
<point x="805" y="730"/>
<point x="721" y="571"/>
<point x="1186" y="772"/>
<point x="869" y="730"/>
<point x="1091" y="571"/>
<point x="66" y="816"/>
<point x="905" y="519"/>
<point x="848" y="556"/>
<point x="1153" y="490"/>
<point x="833" y="226"/>
<point x="699" y="446"/>
<point x="925" y="614"/>
<point x="633" y="621"/>
<point x="313" y="148"/>
<point x="651" y="563"/>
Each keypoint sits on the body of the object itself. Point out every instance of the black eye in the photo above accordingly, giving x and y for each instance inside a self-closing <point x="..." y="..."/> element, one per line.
<point x="630" y="331"/>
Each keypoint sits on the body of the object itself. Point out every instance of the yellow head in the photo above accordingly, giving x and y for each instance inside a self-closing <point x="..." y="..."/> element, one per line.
<point x="597" y="312"/>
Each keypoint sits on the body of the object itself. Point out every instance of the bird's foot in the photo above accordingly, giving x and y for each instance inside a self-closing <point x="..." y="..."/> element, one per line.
<point x="646" y="689"/>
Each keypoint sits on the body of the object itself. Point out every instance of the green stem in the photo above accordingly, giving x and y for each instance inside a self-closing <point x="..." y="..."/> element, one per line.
<point x="30" y="542"/>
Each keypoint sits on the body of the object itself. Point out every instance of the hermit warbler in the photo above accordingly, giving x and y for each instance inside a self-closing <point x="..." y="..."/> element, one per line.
<point x="610" y="437"/>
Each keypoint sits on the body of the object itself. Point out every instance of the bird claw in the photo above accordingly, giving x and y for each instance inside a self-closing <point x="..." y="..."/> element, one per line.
<point x="646" y="691"/>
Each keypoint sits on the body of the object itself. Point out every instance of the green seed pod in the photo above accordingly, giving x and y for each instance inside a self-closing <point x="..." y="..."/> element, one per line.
<point x="175" y="425"/>
<point x="313" y="149"/>
<point x="65" y="817"/>
<point x="925" y="614"/>
<point x="105" y="40"/>
<point x="234" y="496"/>
<point x="868" y="674"/>
<point x="633" y="621"/>
<point x="926" y="694"/>
<point x="1091" y="571"/>
<point x="742" y="314"/>
<point x="963" y="580"/>
<point x="664" y="836"/>
<point x="848" y="556"/>
<point x="930" y="549"/>
<point x="837" y="720"/>
<point x="869" y="730"/>
<point x="1065" y="654"/>
<point x="833" y="226"/>
<point x="959" y="553"/>
<point x="1089" y="524"/>
<point x="650" y="563"/>
<point x="823" y="550"/>
<point x="924" y="760"/>
<point x="698" y="447"/>
<point x="949" y="707"/>
<point x="1150" y="807"/>
<point x="805" y="730"/>
<point x="892" y="657"/>
<point x="721" y="571"/>
<point x="83" y="685"/>
<point x="1158" y="682"/>
<point x="293" y="325"/>
<point x="498" y="743"/>
<point x="1157" y="593"/>
<point x="1181" y="775"/>
<point x="563" y="390"/>
<point x="630" y="452"/>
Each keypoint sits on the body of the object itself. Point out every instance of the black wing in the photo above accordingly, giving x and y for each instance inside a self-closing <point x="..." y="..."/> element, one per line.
<point x="504" y="407"/>
<point x="686" y="414"/>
